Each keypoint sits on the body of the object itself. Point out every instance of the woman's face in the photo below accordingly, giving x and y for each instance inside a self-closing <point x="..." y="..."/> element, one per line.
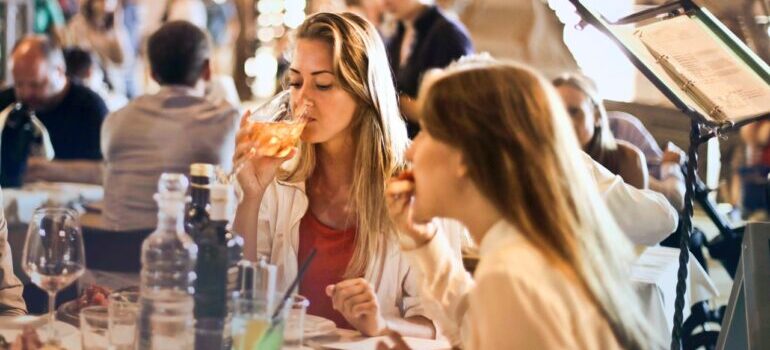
<point x="439" y="176"/>
<point x="311" y="80"/>
<point x="581" y="111"/>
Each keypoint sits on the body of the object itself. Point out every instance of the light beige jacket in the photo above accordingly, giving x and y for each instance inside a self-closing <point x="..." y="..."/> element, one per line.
<point x="11" y="300"/>
<point x="395" y="281"/>
<point x="515" y="300"/>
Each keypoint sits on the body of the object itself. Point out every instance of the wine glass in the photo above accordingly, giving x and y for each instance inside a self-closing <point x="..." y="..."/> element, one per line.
<point x="275" y="128"/>
<point x="53" y="255"/>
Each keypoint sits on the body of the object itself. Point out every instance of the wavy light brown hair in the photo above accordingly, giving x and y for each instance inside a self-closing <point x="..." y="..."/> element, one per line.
<point x="521" y="152"/>
<point x="379" y="133"/>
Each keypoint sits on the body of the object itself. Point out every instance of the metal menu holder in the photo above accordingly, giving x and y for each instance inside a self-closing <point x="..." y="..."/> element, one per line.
<point x="751" y="291"/>
<point x="707" y="119"/>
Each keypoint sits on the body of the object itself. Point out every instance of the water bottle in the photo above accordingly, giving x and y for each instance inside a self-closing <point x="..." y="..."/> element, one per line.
<point x="168" y="274"/>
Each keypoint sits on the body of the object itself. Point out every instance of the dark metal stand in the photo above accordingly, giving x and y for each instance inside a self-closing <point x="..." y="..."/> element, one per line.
<point x="701" y="128"/>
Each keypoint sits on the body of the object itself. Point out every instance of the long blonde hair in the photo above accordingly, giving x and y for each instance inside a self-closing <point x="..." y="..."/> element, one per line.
<point x="517" y="142"/>
<point x="379" y="133"/>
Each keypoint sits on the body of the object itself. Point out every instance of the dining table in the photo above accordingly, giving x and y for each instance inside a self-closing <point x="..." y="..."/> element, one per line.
<point x="342" y="339"/>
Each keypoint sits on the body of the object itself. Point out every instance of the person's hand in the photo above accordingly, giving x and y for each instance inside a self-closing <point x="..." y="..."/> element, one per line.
<point x="673" y="154"/>
<point x="398" y="343"/>
<point x="258" y="171"/>
<point x="398" y="196"/>
<point x="356" y="301"/>
<point x="27" y="340"/>
<point x="38" y="169"/>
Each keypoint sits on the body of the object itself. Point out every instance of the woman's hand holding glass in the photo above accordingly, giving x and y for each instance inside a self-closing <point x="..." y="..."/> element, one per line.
<point x="256" y="171"/>
<point x="267" y="137"/>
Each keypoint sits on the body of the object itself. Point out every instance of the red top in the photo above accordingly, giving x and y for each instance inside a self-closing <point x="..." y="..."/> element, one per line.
<point x="334" y="250"/>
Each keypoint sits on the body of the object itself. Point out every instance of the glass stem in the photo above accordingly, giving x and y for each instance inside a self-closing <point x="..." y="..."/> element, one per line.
<point x="51" y="317"/>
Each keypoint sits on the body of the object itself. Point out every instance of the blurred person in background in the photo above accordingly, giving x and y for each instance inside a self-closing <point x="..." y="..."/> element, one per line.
<point x="753" y="175"/>
<point x="99" y="28"/>
<point x="83" y="68"/>
<point x="165" y="131"/>
<point x="193" y="11"/>
<point x="11" y="290"/>
<point x="71" y="113"/>
<point x="589" y="119"/>
<point x="49" y="20"/>
<point x="425" y="38"/>
<point x="664" y="167"/>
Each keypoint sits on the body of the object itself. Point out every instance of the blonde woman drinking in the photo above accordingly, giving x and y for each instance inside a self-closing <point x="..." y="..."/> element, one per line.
<point x="498" y="154"/>
<point x="333" y="199"/>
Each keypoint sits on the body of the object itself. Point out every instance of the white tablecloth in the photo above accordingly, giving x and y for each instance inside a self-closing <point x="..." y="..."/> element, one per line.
<point x="654" y="276"/>
<point x="20" y="203"/>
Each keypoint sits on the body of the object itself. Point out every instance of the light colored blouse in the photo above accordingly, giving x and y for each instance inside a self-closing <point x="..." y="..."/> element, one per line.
<point x="393" y="278"/>
<point x="516" y="299"/>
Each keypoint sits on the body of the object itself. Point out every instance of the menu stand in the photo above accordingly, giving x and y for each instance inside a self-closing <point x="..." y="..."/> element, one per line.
<point x="702" y="127"/>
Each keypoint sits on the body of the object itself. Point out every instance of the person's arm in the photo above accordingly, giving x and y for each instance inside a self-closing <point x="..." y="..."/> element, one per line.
<point x="11" y="300"/>
<point x="82" y="171"/>
<point x="254" y="177"/>
<point x="118" y="44"/>
<point x="356" y="301"/>
<point x="445" y="285"/>
<point x="644" y="215"/>
<point x="246" y="223"/>
<point x="633" y="166"/>
<point x="671" y="183"/>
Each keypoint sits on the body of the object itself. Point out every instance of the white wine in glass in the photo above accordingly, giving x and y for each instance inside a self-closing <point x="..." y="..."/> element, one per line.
<point x="53" y="255"/>
<point x="275" y="128"/>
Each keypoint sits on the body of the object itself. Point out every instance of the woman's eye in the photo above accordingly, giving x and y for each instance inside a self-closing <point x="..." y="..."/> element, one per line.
<point x="324" y="87"/>
<point x="295" y="84"/>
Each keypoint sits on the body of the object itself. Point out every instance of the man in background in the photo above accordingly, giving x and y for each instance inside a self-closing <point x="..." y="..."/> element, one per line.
<point x="72" y="114"/>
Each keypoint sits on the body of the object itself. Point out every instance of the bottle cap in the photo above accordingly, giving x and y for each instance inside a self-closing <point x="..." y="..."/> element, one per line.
<point x="202" y="169"/>
<point x="172" y="185"/>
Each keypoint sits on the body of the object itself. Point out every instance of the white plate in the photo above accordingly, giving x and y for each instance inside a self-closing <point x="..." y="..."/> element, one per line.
<point x="315" y="326"/>
<point x="11" y="327"/>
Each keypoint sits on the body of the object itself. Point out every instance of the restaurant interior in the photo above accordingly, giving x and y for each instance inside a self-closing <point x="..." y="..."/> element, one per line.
<point x="385" y="174"/>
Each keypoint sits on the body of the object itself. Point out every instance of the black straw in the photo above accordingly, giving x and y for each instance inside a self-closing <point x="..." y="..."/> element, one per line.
<point x="294" y="285"/>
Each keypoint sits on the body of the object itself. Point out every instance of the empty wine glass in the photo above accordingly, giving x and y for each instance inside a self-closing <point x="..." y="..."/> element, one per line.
<point x="275" y="127"/>
<point x="53" y="255"/>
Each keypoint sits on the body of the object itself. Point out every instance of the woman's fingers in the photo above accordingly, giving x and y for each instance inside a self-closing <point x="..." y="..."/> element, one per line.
<point x="350" y="304"/>
<point x="364" y="308"/>
<point x="245" y="118"/>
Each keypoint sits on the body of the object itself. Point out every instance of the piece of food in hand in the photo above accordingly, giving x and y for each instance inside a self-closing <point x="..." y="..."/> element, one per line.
<point x="404" y="182"/>
<point x="405" y="174"/>
<point x="94" y="295"/>
<point x="400" y="187"/>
